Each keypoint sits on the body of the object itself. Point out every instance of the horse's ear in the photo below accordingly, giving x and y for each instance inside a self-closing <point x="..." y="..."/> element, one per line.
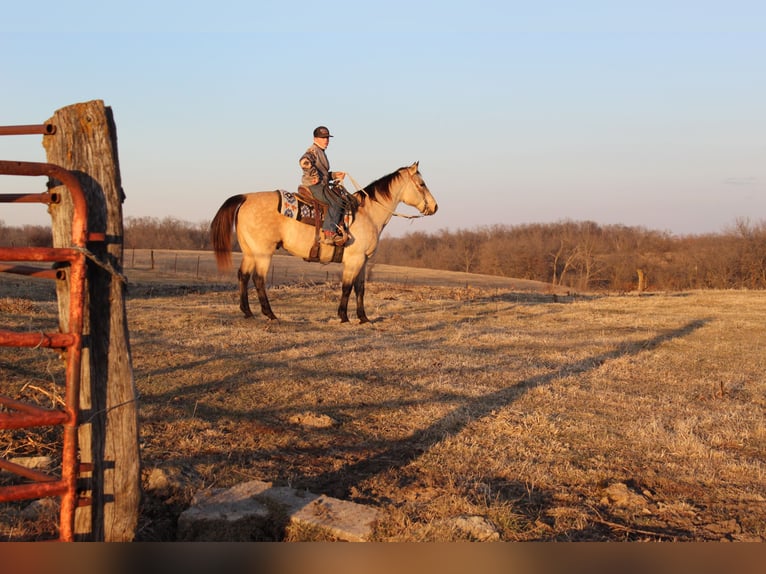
<point x="414" y="167"/>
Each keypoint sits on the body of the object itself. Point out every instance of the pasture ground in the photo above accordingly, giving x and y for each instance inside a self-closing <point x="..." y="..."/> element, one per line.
<point x="540" y="417"/>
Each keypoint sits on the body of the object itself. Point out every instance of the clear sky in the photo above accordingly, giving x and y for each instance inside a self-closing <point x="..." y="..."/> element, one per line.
<point x="647" y="113"/>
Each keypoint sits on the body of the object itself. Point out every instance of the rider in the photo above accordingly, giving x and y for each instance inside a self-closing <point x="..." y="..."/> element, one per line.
<point x="317" y="177"/>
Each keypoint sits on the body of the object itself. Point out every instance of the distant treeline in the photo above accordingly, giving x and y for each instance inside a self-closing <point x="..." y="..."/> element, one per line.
<point x="590" y="257"/>
<point x="584" y="255"/>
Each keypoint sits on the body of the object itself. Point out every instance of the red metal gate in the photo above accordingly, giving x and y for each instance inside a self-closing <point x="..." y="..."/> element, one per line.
<point x="13" y="413"/>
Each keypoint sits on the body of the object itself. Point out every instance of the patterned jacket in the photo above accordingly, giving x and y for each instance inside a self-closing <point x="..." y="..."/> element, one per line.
<point x="315" y="164"/>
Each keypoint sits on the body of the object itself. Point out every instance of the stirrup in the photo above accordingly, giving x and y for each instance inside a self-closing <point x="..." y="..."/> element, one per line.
<point x="340" y="237"/>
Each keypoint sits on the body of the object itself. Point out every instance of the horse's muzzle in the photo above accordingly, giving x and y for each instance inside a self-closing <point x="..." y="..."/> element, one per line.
<point x="429" y="208"/>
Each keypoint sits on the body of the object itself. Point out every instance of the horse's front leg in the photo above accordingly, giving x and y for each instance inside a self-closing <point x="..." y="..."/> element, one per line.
<point x="353" y="276"/>
<point x="344" y="296"/>
<point x="359" y="291"/>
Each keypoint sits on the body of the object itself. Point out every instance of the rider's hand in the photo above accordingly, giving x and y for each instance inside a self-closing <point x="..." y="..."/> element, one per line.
<point x="339" y="175"/>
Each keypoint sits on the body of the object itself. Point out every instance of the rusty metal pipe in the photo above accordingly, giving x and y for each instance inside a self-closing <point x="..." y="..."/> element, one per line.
<point x="71" y="341"/>
<point x="43" y="197"/>
<point x="25" y="415"/>
<point x="39" y="254"/>
<point x="47" y="340"/>
<point x="80" y="216"/>
<point x="30" y="271"/>
<point x="22" y="406"/>
<point x="36" y="490"/>
<point x="69" y="460"/>
<point x="26" y="472"/>
<point x="44" y="129"/>
<point x="68" y="477"/>
<point x="29" y="421"/>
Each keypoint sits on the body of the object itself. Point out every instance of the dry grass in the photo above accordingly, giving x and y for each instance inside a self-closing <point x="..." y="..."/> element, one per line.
<point x="580" y="418"/>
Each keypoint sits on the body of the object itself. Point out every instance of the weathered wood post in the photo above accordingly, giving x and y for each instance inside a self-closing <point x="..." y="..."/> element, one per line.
<point x="642" y="279"/>
<point x="85" y="142"/>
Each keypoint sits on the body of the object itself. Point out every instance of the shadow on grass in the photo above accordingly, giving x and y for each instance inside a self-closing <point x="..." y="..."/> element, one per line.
<point x="382" y="456"/>
<point x="409" y="449"/>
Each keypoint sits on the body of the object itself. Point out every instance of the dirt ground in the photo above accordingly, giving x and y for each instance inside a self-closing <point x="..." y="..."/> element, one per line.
<point x="462" y="411"/>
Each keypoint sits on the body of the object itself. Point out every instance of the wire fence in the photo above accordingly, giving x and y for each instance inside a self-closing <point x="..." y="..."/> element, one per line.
<point x="289" y="270"/>
<point x="202" y="266"/>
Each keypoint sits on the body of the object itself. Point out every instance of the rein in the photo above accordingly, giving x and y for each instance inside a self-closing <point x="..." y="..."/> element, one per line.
<point x="362" y="190"/>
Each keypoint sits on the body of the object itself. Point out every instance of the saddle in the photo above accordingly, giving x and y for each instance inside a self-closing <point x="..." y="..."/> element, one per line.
<point x="316" y="214"/>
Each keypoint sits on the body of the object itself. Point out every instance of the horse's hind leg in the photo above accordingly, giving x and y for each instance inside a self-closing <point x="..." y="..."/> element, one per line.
<point x="260" y="289"/>
<point x="256" y="269"/>
<point x="244" y="302"/>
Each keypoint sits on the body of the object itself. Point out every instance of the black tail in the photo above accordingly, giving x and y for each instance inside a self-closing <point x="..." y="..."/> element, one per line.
<point x="221" y="228"/>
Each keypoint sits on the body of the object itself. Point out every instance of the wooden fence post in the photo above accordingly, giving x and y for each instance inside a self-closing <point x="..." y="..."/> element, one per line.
<point x="642" y="280"/>
<point x="85" y="143"/>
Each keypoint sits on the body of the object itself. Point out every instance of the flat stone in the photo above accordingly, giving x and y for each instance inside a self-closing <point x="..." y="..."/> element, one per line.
<point x="619" y="495"/>
<point x="723" y="527"/>
<point x="257" y="510"/>
<point x="477" y="527"/>
<point x="40" y="508"/>
<point x="313" y="420"/>
<point x="343" y="519"/>
<point x="33" y="462"/>
<point x="225" y="516"/>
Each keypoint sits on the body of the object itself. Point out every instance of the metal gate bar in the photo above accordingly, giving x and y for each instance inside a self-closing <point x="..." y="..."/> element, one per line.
<point x="22" y="415"/>
<point x="45" y="129"/>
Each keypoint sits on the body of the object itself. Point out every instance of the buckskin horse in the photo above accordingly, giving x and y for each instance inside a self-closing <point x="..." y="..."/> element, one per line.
<point x="261" y="228"/>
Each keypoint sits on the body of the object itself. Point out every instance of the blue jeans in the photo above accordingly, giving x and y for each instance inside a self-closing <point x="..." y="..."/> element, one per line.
<point x="334" y="203"/>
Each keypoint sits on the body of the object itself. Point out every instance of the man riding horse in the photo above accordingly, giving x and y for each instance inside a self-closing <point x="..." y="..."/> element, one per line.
<point x="261" y="227"/>
<point x="317" y="177"/>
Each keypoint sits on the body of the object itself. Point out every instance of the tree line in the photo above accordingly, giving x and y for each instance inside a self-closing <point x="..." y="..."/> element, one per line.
<point x="582" y="255"/>
<point x="587" y="256"/>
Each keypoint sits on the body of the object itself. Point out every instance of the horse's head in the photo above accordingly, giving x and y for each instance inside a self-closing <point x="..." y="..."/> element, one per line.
<point x="416" y="192"/>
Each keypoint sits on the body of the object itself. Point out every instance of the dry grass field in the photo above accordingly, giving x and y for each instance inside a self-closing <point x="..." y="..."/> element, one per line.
<point x="470" y="408"/>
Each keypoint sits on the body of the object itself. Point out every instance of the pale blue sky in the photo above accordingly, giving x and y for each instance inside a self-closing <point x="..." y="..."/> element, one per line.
<point x="639" y="113"/>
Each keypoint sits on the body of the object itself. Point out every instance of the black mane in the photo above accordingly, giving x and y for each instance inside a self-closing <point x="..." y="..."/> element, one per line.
<point x="381" y="186"/>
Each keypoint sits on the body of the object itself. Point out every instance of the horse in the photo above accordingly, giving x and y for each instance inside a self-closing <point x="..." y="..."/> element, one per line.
<point x="261" y="229"/>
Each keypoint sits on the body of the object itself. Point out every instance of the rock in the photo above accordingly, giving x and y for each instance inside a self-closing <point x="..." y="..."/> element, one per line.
<point x="233" y="515"/>
<point x="157" y="482"/>
<point x="743" y="537"/>
<point x="258" y="510"/>
<point x="619" y="495"/>
<point x="477" y="527"/>
<point x="343" y="519"/>
<point x="40" y="508"/>
<point x="723" y="528"/>
<point x="33" y="462"/>
<point x="312" y="420"/>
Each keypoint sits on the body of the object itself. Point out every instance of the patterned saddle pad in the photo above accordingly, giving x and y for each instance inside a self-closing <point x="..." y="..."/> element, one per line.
<point x="293" y="206"/>
<point x="290" y="205"/>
